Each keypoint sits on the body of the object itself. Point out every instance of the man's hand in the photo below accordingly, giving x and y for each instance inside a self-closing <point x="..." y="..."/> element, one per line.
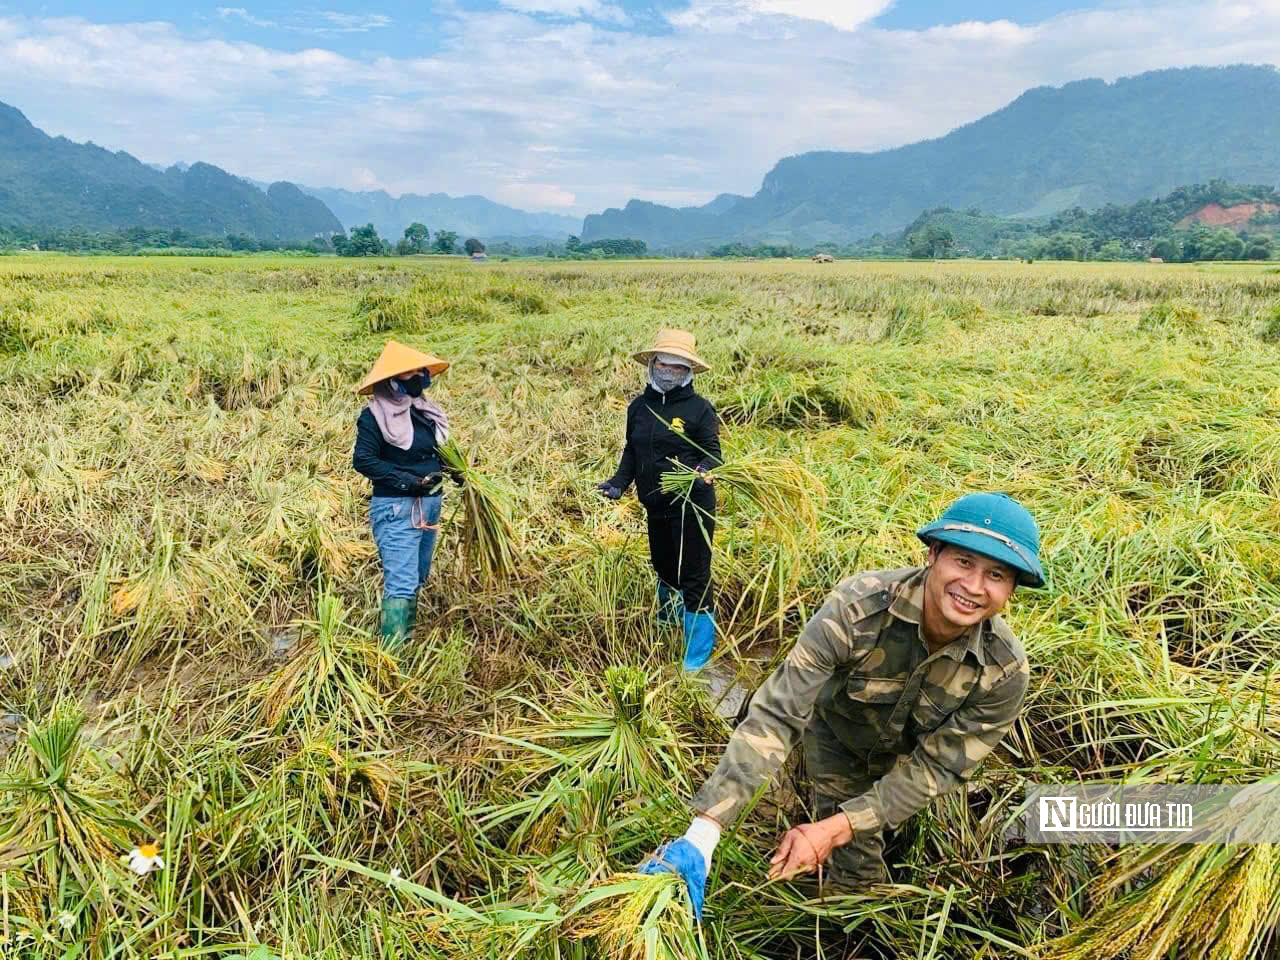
<point x="805" y="848"/>
<point x="706" y="478"/>
<point x="609" y="491"/>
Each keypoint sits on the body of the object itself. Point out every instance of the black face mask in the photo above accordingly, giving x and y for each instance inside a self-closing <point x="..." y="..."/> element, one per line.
<point x="415" y="384"/>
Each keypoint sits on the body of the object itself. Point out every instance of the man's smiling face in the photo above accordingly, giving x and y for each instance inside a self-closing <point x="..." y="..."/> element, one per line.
<point x="964" y="588"/>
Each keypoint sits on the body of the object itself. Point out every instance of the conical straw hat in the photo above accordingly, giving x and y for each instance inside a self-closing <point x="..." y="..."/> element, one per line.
<point x="678" y="343"/>
<point x="397" y="358"/>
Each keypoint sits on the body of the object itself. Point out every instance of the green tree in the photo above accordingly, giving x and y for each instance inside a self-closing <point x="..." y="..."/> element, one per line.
<point x="446" y="241"/>
<point x="933" y="241"/>
<point x="1220" y="244"/>
<point x="1064" y="246"/>
<point x="1260" y="248"/>
<point x="363" y="242"/>
<point x="473" y="246"/>
<point x="572" y="244"/>
<point x="1167" y="247"/>
<point x="415" y="238"/>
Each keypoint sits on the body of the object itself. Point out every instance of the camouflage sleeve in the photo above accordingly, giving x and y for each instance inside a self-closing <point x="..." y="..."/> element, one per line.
<point x="780" y="711"/>
<point x="943" y="758"/>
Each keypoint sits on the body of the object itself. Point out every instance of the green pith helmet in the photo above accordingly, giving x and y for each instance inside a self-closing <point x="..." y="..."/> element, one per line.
<point x="996" y="526"/>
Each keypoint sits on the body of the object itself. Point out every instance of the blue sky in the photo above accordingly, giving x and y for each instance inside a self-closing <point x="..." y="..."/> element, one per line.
<point x="403" y="28"/>
<point x="569" y="105"/>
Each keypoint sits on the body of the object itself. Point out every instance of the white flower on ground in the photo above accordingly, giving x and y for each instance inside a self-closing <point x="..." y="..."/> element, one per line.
<point x="66" y="919"/>
<point x="397" y="873"/>
<point x="145" y="858"/>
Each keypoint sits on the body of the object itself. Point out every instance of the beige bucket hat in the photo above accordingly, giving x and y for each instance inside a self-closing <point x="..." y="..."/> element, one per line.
<point x="678" y="343"/>
<point x="397" y="358"/>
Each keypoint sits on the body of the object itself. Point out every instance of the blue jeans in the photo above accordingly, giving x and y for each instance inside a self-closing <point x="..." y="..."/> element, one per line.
<point x="404" y="546"/>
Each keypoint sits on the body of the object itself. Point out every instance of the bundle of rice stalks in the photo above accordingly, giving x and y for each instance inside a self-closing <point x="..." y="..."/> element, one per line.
<point x="1212" y="902"/>
<point x="340" y="676"/>
<point x="637" y="917"/>
<point x="489" y="542"/>
<point x="594" y="736"/>
<point x="64" y="815"/>
<point x="788" y="497"/>
<point x="626" y="686"/>
<point x="303" y="528"/>
<point x="570" y="828"/>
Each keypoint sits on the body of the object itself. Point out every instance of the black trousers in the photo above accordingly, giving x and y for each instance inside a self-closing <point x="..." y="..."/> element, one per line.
<point x="680" y="548"/>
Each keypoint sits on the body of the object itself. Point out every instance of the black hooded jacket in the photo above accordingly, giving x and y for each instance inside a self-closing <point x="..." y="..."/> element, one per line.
<point x="653" y="446"/>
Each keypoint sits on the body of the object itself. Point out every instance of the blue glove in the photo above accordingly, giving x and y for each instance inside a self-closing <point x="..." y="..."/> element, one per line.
<point x="609" y="490"/>
<point x="682" y="857"/>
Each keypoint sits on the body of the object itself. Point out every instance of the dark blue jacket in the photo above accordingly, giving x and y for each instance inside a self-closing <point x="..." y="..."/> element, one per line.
<point x="395" y="472"/>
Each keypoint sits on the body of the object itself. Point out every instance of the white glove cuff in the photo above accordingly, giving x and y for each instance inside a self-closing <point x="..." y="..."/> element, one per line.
<point x="704" y="834"/>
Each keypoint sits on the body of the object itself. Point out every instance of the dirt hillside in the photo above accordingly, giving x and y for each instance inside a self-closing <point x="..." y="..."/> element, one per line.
<point x="1216" y="215"/>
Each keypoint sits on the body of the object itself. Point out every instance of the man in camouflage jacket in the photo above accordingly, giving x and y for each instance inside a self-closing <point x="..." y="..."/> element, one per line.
<point x="899" y="686"/>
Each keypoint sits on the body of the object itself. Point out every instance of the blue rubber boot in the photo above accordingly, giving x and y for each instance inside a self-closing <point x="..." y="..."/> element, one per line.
<point x="670" y="604"/>
<point x="699" y="639"/>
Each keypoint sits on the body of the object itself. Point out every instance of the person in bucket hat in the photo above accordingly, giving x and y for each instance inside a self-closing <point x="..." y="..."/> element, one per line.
<point x="669" y="424"/>
<point x="899" y="687"/>
<point x="398" y="436"/>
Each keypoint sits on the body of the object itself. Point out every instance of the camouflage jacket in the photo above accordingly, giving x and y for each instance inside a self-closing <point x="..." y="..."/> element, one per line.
<point x="862" y="664"/>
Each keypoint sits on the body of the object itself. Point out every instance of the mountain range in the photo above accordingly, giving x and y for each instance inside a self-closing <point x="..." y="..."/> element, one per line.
<point x="470" y="216"/>
<point x="1085" y="144"/>
<point x="51" y="182"/>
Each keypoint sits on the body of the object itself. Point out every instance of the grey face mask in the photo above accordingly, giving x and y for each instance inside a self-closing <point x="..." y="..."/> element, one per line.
<point x="664" y="381"/>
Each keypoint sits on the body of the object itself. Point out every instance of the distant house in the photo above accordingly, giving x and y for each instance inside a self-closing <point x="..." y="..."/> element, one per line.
<point x="823" y="258"/>
<point x="1156" y="260"/>
<point x="479" y="257"/>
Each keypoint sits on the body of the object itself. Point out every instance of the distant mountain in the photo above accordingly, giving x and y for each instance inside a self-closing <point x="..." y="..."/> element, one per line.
<point x="469" y="216"/>
<point x="1085" y="144"/>
<point x="52" y="182"/>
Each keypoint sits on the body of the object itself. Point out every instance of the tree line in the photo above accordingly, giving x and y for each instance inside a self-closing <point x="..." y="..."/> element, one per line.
<point x="365" y="242"/>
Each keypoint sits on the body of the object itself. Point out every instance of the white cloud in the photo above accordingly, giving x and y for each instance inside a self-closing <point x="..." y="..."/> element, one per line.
<point x="334" y="22"/>
<point x="240" y="13"/>
<point x="730" y="14"/>
<point x="570" y="115"/>
<point x="535" y="196"/>
<point x="563" y="8"/>
<point x="325" y="21"/>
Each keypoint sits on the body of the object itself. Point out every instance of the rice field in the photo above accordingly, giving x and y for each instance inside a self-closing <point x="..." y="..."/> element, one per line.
<point x="189" y="598"/>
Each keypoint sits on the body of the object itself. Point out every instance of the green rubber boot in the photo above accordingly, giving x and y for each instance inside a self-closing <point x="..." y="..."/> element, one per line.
<point x="397" y="621"/>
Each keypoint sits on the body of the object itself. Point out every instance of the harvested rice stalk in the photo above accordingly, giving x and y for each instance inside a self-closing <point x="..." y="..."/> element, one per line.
<point x="589" y="735"/>
<point x="637" y="917"/>
<point x="1211" y="901"/>
<point x="626" y="687"/>
<point x="339" y="675"/>
<point x="788" y="496"/>
<point x="488" y="535"/>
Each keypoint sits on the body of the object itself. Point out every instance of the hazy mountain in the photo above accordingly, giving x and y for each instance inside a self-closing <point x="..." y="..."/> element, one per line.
<point x="470" y="216"/>
<point x="1085" y="144"/>
<point x="52" y="182"/>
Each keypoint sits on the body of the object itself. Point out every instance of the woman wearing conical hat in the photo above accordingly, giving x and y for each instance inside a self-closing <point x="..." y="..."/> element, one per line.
<point x="670" y="423"/>
<point x="398" y="436"/>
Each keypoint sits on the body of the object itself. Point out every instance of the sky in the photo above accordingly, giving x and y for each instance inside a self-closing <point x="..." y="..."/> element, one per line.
<point x="570" y="106"/>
